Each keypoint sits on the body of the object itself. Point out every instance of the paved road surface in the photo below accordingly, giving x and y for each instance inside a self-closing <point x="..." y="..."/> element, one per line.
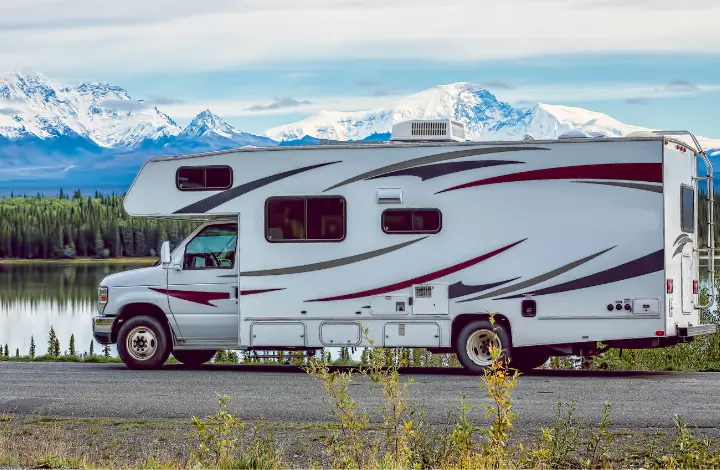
<point x="640" y="400"/>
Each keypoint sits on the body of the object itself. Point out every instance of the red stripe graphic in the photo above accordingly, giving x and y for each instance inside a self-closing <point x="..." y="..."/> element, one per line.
<point x="197" y="297"/>
<point x="421" y="279"/>
<point x="651" y="172"/>
<point x="258" y="291"/>
<point x="204" y="298"/>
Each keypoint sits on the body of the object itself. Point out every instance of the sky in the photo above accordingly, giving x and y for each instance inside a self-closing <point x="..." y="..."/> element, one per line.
<point x="259" y="63"/>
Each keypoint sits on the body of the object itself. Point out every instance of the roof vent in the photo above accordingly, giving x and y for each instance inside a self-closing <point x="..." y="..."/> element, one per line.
<point x="442" y="130"/>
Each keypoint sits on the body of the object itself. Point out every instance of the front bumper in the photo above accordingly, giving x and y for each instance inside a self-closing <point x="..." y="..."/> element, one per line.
<point x="102" y="329"/>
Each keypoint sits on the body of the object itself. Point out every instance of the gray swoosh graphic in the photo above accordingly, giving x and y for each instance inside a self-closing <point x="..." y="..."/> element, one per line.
<point x="211" y="202"/>
<point x="641" y="186"/>
<point x="537" y="280"/>
<point x="438" y="157"/>
<point x="680" y="246"/>
<point x="330" y="264"/>
<point x="681" y="236"/>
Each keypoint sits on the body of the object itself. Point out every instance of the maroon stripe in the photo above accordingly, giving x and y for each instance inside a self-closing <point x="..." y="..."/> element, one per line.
<point x="197" y="297"/>
<point x="421" y="279"/>
<point x="258" y="291"/>
<point x="651" y="172"/>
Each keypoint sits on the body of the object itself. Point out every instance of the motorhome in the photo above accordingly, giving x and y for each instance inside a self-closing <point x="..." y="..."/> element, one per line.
<point x="569" y="245"/>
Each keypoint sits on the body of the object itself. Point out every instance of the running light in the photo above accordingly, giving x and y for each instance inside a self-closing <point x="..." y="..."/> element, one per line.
<point x="659" y="333"/>
<point x="669" y="286"/>
<point x="696" y="287"/>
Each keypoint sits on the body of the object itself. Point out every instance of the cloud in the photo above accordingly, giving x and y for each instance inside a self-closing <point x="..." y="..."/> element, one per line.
<point x="497" y="84"/>
<point x="637" y="100"/>
<point x="278" y="103"/>
<point x="682" y="86"/>
<point x="383" y="92"/>
<point x="9" y="111"/>
<point x="124" y="105"/>
<point x="138" y="36"/>
<point x="367" y="82"/>
<point x="164" y="100"/>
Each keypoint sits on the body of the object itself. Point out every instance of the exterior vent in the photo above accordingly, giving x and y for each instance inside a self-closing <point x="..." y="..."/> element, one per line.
<point x="442" y="130"/>
<point x="423" y="292"/>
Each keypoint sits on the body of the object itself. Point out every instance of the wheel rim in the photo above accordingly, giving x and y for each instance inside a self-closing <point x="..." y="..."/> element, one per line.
<point x="478" y="346"/>
<point x="141" y="343"/>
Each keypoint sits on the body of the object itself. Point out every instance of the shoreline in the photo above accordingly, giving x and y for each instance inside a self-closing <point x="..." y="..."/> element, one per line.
<point x="71" y="261"/>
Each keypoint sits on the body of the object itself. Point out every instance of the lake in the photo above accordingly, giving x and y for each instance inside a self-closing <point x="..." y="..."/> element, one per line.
<point x="35" y="297"/>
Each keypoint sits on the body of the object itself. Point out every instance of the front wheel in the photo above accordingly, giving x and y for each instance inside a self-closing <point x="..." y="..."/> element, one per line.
<point x="474" y="342"/>
<point x="193" y="357"/>
<point x="143" y="343"/>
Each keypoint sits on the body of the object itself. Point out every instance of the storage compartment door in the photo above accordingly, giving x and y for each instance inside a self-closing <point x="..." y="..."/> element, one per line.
<point x="287" y="334"/>
<point x="389" y="305"/>
<point x="340" y="333"/>
<point x="407" y="334"/>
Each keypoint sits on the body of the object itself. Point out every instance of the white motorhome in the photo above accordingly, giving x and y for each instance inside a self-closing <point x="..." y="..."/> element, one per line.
<point x="568" y="243"/>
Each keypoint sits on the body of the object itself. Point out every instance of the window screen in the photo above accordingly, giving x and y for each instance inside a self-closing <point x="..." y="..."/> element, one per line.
<point x="411" y="221"/>
<point x="299" y="219"/>
<point x="687" y="209"/>
<point x="204" y="178"/>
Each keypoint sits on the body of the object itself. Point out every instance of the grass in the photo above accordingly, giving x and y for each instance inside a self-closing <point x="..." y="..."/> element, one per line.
<point x="139" y="261"/>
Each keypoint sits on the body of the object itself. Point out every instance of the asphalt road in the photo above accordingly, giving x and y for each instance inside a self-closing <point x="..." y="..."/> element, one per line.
<point x="640" y="401"/>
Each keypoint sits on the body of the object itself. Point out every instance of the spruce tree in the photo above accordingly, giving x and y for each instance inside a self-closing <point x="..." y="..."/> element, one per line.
<point x="17" y="353"/>
<point x="7" y="351"/>
<point x="72" y="345"/>
<point x="106" y="350"/>
<point x="56" y="347"/>
<point x="32" y="347"/>
<point x="92" y="349"/>
<point x="220" y="356"/>
<point x="99" y="244"/>
<point x="51" y="341"/>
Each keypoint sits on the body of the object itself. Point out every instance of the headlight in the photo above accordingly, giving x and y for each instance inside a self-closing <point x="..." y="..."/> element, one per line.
<point x="102" y="298"/>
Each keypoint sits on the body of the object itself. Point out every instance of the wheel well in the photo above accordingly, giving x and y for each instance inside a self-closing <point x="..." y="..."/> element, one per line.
<point x="461" y="320"/>
<point x="134" y="310"/>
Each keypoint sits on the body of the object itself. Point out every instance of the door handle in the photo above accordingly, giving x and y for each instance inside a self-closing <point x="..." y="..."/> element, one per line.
<point x="236" y="291"/>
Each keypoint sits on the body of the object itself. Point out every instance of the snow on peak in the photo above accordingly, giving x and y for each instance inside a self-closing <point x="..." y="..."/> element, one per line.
<point x="208" y="123"/>
<point x="481" y="112"/>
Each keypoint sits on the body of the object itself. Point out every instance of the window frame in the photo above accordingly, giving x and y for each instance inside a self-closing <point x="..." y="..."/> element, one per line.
<point x="203" y="167"/>
<point x="683" y="228"/>
<point x="305" y="199"/>
<point x="411" y="209"/>
<point x="201" y="230"/>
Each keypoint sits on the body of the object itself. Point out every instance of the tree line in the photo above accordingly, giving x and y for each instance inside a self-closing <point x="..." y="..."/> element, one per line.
<point x="69" y="226"/>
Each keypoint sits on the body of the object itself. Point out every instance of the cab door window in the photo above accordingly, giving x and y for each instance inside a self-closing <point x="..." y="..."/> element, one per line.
<point x="212" y="248"/>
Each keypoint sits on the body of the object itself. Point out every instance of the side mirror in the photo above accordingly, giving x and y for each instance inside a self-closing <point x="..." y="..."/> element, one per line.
<point x="165" y="254"/>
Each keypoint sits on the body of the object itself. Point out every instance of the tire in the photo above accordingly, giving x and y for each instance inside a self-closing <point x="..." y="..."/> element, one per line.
<point x="472" y="338"/>
<point x="527" y="359"/>
<point x="194" y="357"/>
<point x="143" y="343"/>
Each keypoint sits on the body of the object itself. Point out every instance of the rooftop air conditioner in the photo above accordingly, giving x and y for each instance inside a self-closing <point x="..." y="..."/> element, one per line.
<point x="438" y="130"/>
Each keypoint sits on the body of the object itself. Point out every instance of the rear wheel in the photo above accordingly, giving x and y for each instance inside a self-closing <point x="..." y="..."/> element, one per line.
<point x="194" y="357"/>
<point x="474" y="342"/>
<point x="529" y="358"/>
<point x="143" y="343"/>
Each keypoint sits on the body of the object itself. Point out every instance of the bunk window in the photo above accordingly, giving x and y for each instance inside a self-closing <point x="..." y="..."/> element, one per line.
<point x="203" y="178"/>
<point x="411" y="221"/>
<point x="305" y="219"/>
<point x="687" y="209"/>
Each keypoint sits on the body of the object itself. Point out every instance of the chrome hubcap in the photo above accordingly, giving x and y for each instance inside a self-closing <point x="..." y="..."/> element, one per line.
<point x="141" y="343"/>
<point x="478" y="346"/>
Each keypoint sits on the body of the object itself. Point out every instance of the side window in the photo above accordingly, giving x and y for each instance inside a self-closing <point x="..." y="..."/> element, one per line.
<point x="411" y="221"/>
<point x="305" y="219"/>
<point x="212" y="248"/>
<point x="687" y="209"/>
<point x="203" y="178"/>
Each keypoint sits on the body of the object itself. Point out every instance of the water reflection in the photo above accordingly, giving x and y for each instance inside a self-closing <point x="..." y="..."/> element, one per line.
<point x="34" y="298"/>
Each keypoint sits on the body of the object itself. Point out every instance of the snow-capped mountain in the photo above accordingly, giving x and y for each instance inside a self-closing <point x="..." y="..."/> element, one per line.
<point x="484" y="116"/>
<point x="210" y="130"/>
<point x="35" y="106"/>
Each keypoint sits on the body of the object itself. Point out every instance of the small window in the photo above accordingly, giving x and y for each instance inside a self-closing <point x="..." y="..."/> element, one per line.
<point x="687" y="209"/>
<point x="411" y="221"/>
<point x="204" y="178"/>
<point x="305" y="219"/>
<point x="212" y="248"/>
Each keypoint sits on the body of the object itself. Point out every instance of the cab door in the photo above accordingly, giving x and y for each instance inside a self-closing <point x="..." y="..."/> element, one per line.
<point x="203" y="286"/>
